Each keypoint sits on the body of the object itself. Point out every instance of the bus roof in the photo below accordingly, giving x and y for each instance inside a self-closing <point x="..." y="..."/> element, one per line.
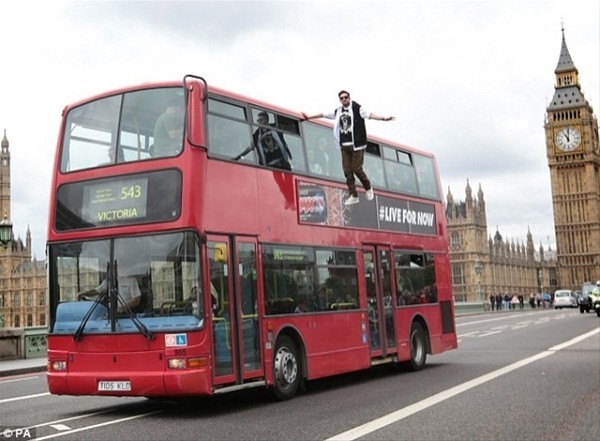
<point x="237" y="96"/>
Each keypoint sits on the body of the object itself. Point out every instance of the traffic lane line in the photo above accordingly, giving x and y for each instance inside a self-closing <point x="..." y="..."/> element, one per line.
<point x="24" y="397"/>
<point x="19" y="378"/>
<point x="95" y="426"/>
<point x="399" y="415"/>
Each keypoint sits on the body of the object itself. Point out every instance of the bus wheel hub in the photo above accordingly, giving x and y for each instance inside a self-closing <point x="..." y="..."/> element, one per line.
<point x="286" y="367"/>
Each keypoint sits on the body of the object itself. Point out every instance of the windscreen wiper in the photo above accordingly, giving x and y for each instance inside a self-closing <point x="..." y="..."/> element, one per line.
<point x="79" y="332"/>
<point x="136" y="321"/>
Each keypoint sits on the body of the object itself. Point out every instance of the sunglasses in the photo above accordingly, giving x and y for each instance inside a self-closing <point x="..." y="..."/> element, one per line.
<point x="344" y="97"/>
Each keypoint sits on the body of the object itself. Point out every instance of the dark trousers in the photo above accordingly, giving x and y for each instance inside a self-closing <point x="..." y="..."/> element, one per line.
<point x="352" y="164"/>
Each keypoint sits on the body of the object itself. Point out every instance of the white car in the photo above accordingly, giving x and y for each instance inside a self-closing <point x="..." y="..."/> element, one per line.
<point x="564" y="298"/>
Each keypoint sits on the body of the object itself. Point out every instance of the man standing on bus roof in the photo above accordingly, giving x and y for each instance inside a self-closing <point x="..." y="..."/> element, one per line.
<point x="350" y="133"/>
<point x="168" y="130"/>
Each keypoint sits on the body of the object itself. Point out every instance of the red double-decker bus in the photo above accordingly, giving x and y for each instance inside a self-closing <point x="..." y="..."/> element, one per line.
<point x="198" y="243"/>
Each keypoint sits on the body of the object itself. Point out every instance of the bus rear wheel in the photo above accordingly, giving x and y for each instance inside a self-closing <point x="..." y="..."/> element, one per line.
<point x="418" y="347"/>
<point x="286" y="369"/>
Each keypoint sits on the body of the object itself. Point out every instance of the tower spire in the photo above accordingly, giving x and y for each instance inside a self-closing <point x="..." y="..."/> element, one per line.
<point x="567" y="90"/>
<point x="565" y="62"/>
<point x="4" y="178"/>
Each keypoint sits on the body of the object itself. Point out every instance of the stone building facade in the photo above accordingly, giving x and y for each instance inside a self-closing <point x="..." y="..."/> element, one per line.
<point x="482" y="265"/>
<point x="23" y="293"/>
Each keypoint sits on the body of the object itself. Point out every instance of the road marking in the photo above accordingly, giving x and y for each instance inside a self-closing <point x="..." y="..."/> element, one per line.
<point x="60" y="427"/>
<point x="573" y="341"/>
<point x="400" y="414"/>
<point x="77" y="417"/>
<point x="106" y="423"/>
<point x="485" y="334"/>
<point x="468" y="334"/>
<point x="502" y="317"/>
<point x="24" y="397"/>
<point x="520" y="325"/>
<point x="12" y="380"/>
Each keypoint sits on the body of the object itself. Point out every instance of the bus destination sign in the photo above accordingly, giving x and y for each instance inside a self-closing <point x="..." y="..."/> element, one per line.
<point x="115" y="201"/>
<point x="119" y="200"/>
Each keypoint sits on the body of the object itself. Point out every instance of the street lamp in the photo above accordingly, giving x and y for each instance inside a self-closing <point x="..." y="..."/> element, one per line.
<point x="478" y="271"/>
<point x="5" y="231"/>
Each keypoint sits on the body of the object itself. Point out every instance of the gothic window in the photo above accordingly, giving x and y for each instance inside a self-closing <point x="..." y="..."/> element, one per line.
<point x="455" y="240"/>
<point x="458" y="274"/>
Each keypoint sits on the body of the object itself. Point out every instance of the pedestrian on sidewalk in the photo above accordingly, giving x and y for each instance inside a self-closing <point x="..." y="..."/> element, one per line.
<point x="498" y="301"/>
<point x="514" y="301"/>
<point x="506" y="302"/>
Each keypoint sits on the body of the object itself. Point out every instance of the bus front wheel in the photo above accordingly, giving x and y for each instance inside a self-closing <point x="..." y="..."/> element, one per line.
<point x="286" y="369"/>
<point x="418" y="347"/>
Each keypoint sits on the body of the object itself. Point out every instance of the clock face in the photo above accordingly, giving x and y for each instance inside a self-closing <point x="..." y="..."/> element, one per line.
<point x="568" y="139"/>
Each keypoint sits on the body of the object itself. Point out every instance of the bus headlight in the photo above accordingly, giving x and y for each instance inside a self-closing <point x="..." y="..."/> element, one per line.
<point x="57" y="365"/>
<point x="190" y="363"/>
<point x="177" y="363"/>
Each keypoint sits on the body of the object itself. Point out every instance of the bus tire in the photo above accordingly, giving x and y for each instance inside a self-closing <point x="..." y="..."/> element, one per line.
<point x="418" y="347"/>
<point x="286" y="369"/>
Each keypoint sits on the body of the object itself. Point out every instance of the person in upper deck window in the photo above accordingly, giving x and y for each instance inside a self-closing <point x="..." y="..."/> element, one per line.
<point x="270" y="145"/>
<point x="168" y="131"/>
<point x="113" y="157"/>
<point x="350" y="133"/>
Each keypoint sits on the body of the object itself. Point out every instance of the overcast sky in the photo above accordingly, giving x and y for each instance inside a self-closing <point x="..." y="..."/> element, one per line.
<point x="468" y="81"/>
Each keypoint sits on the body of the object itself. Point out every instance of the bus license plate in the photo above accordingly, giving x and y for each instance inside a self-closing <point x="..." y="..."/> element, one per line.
<point x="114" y="385"/>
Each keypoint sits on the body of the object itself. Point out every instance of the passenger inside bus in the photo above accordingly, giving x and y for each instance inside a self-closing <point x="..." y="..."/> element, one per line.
<point x="130" y="295"/>
<point x="112" y="155"/>
<point x="269" y="144"/>
<point x="318" y="159"/>
<point x="168" y="131"/>
<point x="191" y="302"/>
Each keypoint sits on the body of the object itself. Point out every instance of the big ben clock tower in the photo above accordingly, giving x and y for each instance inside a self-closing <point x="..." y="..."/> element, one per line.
<point x="573" y="154"/>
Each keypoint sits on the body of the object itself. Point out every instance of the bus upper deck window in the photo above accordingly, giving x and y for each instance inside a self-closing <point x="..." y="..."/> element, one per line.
<point x="122" y="128"/>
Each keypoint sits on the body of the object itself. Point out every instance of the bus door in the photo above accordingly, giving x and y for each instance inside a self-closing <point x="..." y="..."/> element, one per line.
<point x="380" y="303"/>
<point x="232" y="272"/>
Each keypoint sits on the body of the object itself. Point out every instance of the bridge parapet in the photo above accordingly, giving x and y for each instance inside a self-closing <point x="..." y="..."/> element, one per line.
<point x="23" y="342"/>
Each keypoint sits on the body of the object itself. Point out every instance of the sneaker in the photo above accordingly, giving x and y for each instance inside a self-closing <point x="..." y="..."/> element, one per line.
<point x="351" y="200"/>
<point x="370" y="194"/>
